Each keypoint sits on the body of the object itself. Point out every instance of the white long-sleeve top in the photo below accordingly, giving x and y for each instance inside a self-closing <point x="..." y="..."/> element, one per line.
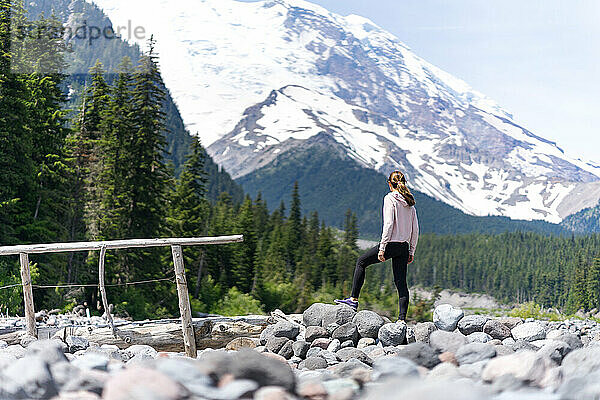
<point x="400" y="223"/>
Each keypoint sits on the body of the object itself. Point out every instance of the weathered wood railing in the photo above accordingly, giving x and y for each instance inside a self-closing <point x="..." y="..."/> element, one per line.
<point x="23" y="252"/>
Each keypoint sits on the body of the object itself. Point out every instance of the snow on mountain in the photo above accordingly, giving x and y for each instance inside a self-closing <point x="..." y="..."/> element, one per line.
<point x="256" y="79"/>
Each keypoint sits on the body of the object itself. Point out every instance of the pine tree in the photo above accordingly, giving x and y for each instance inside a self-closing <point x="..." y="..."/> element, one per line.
<point x="351" y="230"/>
<point x="243" y="267"/>
<point x="294" y="230"/>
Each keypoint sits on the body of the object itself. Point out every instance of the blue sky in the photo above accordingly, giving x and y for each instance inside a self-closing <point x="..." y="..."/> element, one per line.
<point x="539" y="59"/>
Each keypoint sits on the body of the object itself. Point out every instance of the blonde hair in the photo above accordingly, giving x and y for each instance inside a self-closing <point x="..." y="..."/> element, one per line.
<point x="398" y="182"/>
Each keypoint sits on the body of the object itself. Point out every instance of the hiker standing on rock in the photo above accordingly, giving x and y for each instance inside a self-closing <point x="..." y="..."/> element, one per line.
<point x="398" y="241"/>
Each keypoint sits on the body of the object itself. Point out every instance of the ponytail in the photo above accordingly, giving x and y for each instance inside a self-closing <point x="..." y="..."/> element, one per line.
<point x="398" y="182"/>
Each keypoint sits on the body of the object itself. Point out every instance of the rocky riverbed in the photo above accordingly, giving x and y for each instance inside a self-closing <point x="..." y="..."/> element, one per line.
<point x="330" y="352"/>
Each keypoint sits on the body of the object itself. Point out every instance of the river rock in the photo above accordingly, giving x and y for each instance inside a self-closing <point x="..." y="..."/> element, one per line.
<point x="313" y="363"/>
<point x="510" y="322"/>
<point x="368" y="323"/>
<point x="365" y="342"/>
<point x="348" y="331"/>
<point x="529" y="331"/>
<point x="442" y="341"/>
<point x="274" y="344"/>
<point x="77" y="343"/>
<point x="471" y="323"/>
<point x="420" y="353"/>
<point x="313" y="315"/>
<point x="474" y="352"/>
<point x="315" y="332"/>
<point x="391" y="366"/>
<point x="286" y="329"/>
<point x="28" y="378"/>
<point x="525" y="365"/>
<point x="300" y="348"/>
<point x="322" y="343"/>
<point x="446" y="317"/>
<point x="392" y="334"/>
<point x="556" y="350"/>
<point x="423" y="330"/>
<point x="479" y="337"/>
<point x="496" y="329"/>
<point x="339" y="314"/>
<point x="142" y="384"/>
<point x="581" y="362"/>
<point x="350" y="352"/>
<point x="266" y="334"/>
<point x="248" y="364"/>
<point x="287" y="351"/>
<point x="334" y="345"/>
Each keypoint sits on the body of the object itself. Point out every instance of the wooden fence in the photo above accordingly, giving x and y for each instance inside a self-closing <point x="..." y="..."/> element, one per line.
<point x="23" y="251"/>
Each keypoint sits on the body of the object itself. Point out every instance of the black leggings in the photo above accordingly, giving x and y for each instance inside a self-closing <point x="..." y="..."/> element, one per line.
<point x="398" y="252"/>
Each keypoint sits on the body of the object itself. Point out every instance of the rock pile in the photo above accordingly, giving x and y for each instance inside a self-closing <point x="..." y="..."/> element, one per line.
<point x="328" y="352"/>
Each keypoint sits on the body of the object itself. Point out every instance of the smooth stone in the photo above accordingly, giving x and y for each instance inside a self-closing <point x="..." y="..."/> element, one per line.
<point x="556" y="350"/>
<point x="49" y="350"/>
<point x="300" y="348"/>
<point x="479" y="337"/>
<point x="274" y="344"/>
<point x="331" y="327"/>
<point x="397" y="367"/>
<point x="313" y="352"/>
<point x="28" y="378"/>
<point x="241" y="343"/>
<point x="322" y="343"/>
<point x="92" y="361"/>
<point x="365" y="342"/>
<point x="347" y="343"/>
<point x="248" y="364"/>
<point x="473" y="371"/>
<point x="508" y="342"/>
<point x="581" y="362"/>
<point x="272" y="393"/>
<point x="315" y="332"/>
<point x="496" y="329"/>
<point x="503" y="350"/>
<point x="368" y="323"/>
<point x="524" y="365"/>
<point x="138" y="383"/>
<point x="350" y="352"/>
<point x="420" y="353"/>
<point x="313" y="363"/>
<point x="286" y="329"/>
<point x="185" y="371"/>
<point x="423" y="331"/>
<point x="331" y="358"/>
<point x="444" y="370"/>
<point x="443" y="341"/>
<point x="472" y="323"/>
<point x="334" y="346"/>
<point x="89" y="380"/>
<point x="336" y="385"/>
<point x="510" y="322"/>
<point x="446" y="317"/>
<point x="287" y="351"/>
<point x="141" y="349"/>
<point x="474" y="352"/>
<point x="347" y="331"/>
<point x="345" y="369"/>
<point x="339" y="314"/>
<point x="529" y="331"/>
<point x="392" y="334"/>
<point x="266" y="334"/>
<point x="77" y="343"/>
<point x="448" y="357"/>
<point x="523" y="345"/>
<point x="313" y="315"/>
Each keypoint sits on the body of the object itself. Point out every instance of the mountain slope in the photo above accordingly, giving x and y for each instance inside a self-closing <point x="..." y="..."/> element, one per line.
<point x="332" y="182"/>
<point x="586" y="220"/>
<point x="257" y="79"/>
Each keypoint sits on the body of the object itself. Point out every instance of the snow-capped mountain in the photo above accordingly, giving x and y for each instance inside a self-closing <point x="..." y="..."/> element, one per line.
<point x="256" y="79"/>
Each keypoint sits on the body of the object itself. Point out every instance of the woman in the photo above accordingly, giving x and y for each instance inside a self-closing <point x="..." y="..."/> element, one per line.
<point x="398" y="241"/>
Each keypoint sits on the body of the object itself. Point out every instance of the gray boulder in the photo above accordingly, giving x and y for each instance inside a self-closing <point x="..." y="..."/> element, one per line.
<point x="523" y="345"/>
<point x="28" y="378"/>
<point x="474" y="352"/>
<point x="286" y="329"/>
<point x="348" y="331"/>
<point x="248" y="364"/>
<point x="313" y="363"/>
<point x="471" y="323"/>
<point x="76" y="343"/>
<point x="510" y="322"/>
<point x="329" y="357"/>
<point x="446" y="317"/>
<point x="345" y="369"/>
<point x="525" y="365"/>
<point x="313" y="352"/>
<point x="394" y="367"/>
<point x="392" y="334"/>
<point x="479" y="337"/>
<point x="350" y="352"/>
<point x="315" y="332"/>
<point x="300" y="348"/>
<point x="502" y="350"/>
<point x="49" y="350"/>
<point x="338" y="314"/>
<point x="443" y="341"/>
<point x="313" y="315"/>
<point x="581" y="362"/>
<point x="423" y="330"/>
<point x="529" y="331"/>
<point x="266" y="334"/>
<point x="287" y="351"/>
<point x="275" y="344"/>
<point x="496" y="329"/>
<point x="368" y="323"/>
<point x="556" y="350"/>
<point x="420" y="353"/>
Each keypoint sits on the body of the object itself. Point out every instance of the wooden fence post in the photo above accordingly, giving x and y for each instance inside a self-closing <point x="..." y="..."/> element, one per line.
<point x="103" y="290"/>
<point x="189" y="340"/>
<point x="28" y="295"/>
